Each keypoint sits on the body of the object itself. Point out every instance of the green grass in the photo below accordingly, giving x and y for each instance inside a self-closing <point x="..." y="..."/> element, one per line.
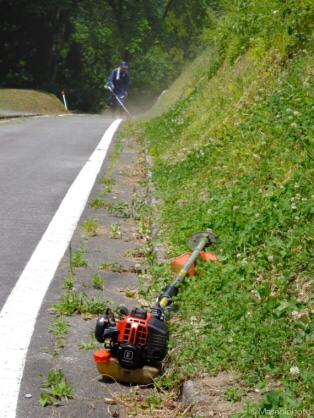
<point x="59" y="327"/>
<point x="98" y="281"/>
<point x="91" y="344"/>
<point x="235" y="153"/>
<point x="116" y="267"/>
<point x="77" y="260"/>
<point x="115" y="230"/>
<point x="90" y="226"/>
<point x="55" y="388"/>
<point x="72" y="302"/>
<point x="30" y="101"/>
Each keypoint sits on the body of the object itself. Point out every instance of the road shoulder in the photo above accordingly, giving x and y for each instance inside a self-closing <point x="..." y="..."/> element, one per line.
<point x="115" y="246"/>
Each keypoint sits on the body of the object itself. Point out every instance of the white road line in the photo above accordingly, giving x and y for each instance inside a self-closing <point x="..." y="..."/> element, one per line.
<point x="18" y="316"/>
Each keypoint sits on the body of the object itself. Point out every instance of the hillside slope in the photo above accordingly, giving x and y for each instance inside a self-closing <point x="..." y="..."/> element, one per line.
<point x="232" y="147"/>
<point x="30" y="101"/>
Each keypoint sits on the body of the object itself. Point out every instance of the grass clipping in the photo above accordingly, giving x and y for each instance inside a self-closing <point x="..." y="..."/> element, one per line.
<point x="147" y="402"/>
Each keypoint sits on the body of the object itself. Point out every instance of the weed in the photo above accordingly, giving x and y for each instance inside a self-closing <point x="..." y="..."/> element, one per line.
<point x="55" y="388"/>
<point x="90" y="345"/>
<point x="116" y="267"/>
<point x="232" y="394"/>
<point x="144" y="226"/>
<point x="150" y="254"/>
<point x="136" y="209"/>
<point x="130" y="293"/>
<point x="71" y="267"/>
<point x="98" y="281"/>
<point x="59" y="328"/>
<point x="107" y="182"/>
<point x="136" y="252"/>
<point x="139" y="206"/>
<point x="78" y="303"/>
<point x="97" y="202"/>
<point x="159" y="403"/>
<point x="115" y="231"/>
<point x="90" y="226"/>
<point x="120" y="208"/>
<point x="68" y="283"/>
<point x="78" y="260"/>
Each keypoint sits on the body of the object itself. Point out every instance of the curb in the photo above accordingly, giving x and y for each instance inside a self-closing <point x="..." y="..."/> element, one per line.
<point x="190" y="393"/>
<point x="24" y="115"/>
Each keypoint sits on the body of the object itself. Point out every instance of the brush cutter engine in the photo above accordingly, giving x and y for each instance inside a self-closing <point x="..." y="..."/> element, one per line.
<point x="139" y="339"/>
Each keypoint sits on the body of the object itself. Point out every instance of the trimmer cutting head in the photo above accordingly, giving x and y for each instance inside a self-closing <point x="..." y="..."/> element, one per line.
<point x="194" y="239"/>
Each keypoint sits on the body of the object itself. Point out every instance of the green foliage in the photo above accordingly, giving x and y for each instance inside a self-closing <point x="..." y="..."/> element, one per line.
<point x="97" y="202"/>
<point x="78" y="303"/>
<point x="248" y="24"/>
<point x="232" y="394"/>
<point x="90" y="226"/>
<point x="72" y="46"/>
<point x="120" y="208"/>
<point x="68" y="282"/>
<point x="98" y="281"/>
<point x="77" y="260"/>
<point x="115" y="230"/>
<point x="59" y="327"/>
<point x="55" y="389"/>
<point x="89" y="345"/>
<point x="116" y="267"/>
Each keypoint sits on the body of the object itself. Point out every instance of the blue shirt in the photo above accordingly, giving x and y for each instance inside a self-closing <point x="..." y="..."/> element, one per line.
<point x="120" y="80"/>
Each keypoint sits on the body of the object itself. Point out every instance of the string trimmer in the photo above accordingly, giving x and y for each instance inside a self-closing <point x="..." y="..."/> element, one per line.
<point x="117" y="98"/>
<point x="135" y="346"/>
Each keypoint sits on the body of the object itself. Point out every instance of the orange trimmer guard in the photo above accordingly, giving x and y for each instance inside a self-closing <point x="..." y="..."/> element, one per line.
<point x="180" y="261"/>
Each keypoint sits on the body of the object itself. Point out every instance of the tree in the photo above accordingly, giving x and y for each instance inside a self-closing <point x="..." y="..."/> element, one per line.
<point x="74" y="44"/>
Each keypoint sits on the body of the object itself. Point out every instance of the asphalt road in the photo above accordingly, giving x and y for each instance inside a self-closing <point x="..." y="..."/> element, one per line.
<point x="40" y="159"/>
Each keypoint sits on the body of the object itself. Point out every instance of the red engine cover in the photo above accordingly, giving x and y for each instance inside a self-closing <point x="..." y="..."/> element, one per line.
<point x="134" y="330"/>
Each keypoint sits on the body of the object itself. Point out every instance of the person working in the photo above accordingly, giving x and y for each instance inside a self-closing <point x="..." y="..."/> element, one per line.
<point x="118" y="81"/>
